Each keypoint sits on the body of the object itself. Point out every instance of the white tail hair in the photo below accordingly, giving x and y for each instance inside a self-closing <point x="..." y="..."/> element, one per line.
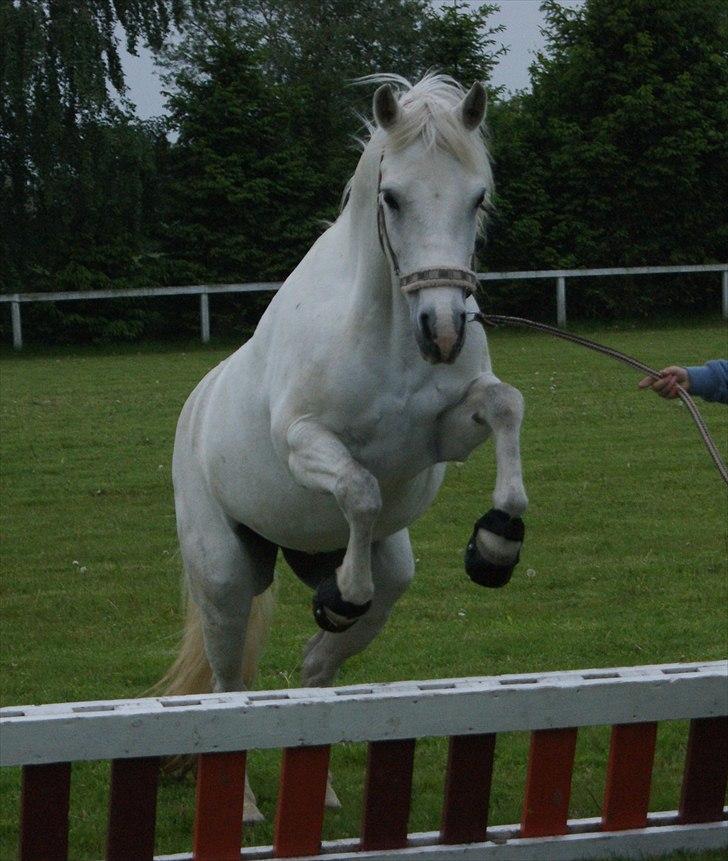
<point x="191" y="673"/>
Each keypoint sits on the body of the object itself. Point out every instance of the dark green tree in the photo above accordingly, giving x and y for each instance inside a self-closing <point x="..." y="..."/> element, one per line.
<point x="262" y="91"/>
<point x="61" y="89"/>
<point x="239" y="193"/>
<point x="457" y="39"/>
<point x="619" y="156"/>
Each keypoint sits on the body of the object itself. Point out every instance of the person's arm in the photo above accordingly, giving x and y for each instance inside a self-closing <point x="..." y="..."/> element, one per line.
<point x="710" y="381"/>
<point x="666" y="384"/>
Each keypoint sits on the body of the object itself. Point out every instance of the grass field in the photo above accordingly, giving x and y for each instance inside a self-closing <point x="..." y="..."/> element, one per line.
<point x="624" y="563"/>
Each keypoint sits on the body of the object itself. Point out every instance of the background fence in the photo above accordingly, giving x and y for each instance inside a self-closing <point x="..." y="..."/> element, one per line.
<point x="559" y="276"/>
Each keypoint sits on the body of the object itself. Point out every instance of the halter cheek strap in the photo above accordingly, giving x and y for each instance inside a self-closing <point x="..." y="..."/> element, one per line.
<point x="465" y="279"/>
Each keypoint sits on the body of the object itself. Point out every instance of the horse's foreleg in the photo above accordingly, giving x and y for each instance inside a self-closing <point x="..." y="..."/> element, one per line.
<point x="320" y="461"/>
<point x="490" y="406"/>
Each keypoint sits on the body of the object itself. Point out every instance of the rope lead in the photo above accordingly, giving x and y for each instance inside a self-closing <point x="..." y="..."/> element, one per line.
<point x="493" y="320"/>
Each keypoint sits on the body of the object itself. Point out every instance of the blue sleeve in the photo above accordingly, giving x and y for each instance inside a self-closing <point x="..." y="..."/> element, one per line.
<point x="710" y="381"/>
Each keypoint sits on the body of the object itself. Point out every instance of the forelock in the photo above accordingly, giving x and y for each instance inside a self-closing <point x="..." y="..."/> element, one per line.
<point x="427" y="114"/>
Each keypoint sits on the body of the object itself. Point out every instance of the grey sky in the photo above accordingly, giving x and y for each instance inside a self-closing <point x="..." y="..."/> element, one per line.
<point x="522" y="19"/>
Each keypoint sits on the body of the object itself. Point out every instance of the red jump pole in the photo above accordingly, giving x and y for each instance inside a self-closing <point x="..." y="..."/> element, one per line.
<point x="218" y="833"/>
<point x="629" y="774"/>
<point x="548" y="783"/>
<point x="301" y="797"/>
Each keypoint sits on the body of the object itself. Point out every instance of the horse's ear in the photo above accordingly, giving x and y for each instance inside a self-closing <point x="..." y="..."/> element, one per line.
<point x="472" y="107"/>
<point x="386" y="108"/>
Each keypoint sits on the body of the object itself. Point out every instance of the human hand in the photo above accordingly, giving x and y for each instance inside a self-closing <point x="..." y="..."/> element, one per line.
<point x="666" y="384"/>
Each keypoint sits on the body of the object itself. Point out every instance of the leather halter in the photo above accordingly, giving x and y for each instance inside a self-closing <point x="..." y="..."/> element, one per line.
<point x="465" y="279"/>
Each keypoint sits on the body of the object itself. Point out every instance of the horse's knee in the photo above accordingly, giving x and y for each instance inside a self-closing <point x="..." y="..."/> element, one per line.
<point x="393" y="567"/>
<point x="503" y="406"/>
<point x="358" y="494"/>
<point x="392" y="582"/>
<point x="318" y="668"/>
<point x="398" y="582"/>
<point x="219" y="594"/>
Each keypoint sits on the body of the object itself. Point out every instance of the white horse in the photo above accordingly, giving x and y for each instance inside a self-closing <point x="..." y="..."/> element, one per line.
<point x="327" y="433"/>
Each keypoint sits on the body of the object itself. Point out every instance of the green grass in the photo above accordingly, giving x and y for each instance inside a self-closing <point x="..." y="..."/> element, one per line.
<point x="624" y="563"/>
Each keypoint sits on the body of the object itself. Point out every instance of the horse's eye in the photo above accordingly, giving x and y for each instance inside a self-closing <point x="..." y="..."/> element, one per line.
<point x="391" y="200"/>
<point x="480" y="201"/>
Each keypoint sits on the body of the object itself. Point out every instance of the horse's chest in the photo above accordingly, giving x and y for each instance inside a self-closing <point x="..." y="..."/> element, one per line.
<point x="395" y="433"/>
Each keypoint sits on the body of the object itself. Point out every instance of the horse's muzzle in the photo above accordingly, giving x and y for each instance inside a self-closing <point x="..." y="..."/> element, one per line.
<point x="441" y="340"/>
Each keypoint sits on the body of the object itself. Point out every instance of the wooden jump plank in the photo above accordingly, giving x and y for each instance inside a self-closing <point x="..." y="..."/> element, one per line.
<point x="387" y="794"/>
<point x="629" y="775"/>
<point x="548" y="782"/>
<point x="218" y="832"/>
<point x="44" y="800"/>
<point x="467" y="788"/>
<point x="169" y="726"/>
<point x="132" y="809"/>
<point x="706" y="771"/>
<point x="301" y="797"/>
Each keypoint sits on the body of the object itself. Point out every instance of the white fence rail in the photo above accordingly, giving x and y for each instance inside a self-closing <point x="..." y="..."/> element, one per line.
<point x="560" y="276"/>
<point x="161" y="726"/>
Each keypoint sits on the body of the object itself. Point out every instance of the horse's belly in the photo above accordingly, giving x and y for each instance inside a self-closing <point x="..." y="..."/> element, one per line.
<point x="293" y="516"/>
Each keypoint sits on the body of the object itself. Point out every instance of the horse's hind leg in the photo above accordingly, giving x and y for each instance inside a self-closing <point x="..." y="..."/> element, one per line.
<point x="224" y="568"/>
<point x="491" y="407"/>
<point x="392" y="570"/>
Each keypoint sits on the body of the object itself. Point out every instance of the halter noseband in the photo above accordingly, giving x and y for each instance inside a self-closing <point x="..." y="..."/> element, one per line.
<point x="465" y="279"/>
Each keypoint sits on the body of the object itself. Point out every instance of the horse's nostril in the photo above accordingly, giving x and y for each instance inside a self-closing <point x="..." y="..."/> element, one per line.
<point x="425" y="325"/>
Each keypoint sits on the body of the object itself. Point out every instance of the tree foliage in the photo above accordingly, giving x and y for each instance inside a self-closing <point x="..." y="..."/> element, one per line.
<point x="68" y="138"/>
<point x="261" y="119"/>
<point x="619" y="156"/>
<point x="260" y="97"/>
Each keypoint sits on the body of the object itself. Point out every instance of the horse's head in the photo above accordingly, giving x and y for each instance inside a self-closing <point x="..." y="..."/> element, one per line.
<point x="434" y="178"/>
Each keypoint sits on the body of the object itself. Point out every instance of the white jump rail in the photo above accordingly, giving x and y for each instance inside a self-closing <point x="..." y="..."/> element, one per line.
<point x="205" y="290"/>
<point x="549" y="705"/>
<point x="161" y="726"/>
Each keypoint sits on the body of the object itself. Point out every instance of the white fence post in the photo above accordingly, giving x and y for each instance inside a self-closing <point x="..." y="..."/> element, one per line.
<point x="17" y="326"/>
<point x="561" y="301"/>
<point x="205" y="318"/>
<point x="725" y="294"/>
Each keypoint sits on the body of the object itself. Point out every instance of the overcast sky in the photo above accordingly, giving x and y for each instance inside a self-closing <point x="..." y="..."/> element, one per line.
<point x="522" y="19"/>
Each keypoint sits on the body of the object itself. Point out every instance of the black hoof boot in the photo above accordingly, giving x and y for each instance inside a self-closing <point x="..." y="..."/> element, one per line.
<point x="495" y="568"/>
<point x="331" y="611"/>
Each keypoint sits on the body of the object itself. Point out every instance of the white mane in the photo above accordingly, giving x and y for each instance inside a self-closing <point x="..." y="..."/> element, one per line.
<point x="428" y="114"/>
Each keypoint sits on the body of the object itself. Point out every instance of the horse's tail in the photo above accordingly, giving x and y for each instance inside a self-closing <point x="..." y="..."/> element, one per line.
<point x="191" y="674"/>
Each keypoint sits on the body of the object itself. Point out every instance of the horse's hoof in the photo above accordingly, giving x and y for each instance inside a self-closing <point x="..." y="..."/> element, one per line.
<point x="251" y="813"/>
<point x="331" y="611"/>
<point x="331" y="801"/>
<point x="494" y="548"/>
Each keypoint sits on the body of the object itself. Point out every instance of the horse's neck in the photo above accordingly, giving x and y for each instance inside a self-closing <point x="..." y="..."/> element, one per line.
<point x="379" y="308"/>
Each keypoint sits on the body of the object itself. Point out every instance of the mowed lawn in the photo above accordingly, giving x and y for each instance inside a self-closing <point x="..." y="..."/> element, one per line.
<point x="624" y="562"/>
